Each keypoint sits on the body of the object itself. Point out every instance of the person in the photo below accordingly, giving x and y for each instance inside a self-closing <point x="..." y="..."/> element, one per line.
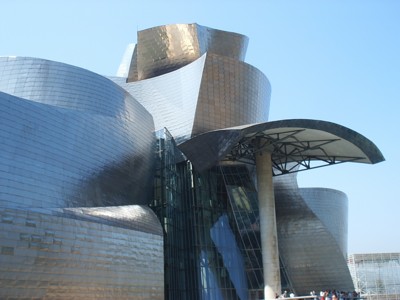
<point x="284" y="295"/>
<point x="322" y="295"/>
<point x="328" y="295"/>
<point x="342" y="295"/>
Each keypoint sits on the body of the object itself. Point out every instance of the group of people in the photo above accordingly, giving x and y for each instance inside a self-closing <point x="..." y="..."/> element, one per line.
<point x="326" y="295"/>
<point x="337" y="295"/>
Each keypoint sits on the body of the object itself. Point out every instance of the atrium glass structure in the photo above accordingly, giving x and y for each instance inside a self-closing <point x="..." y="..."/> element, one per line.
<point x="157" y="183"/>
<point x="376" y="275"/>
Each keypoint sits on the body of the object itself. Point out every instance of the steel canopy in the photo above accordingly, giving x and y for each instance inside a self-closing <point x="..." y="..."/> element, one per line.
<point x="294" y="144"/>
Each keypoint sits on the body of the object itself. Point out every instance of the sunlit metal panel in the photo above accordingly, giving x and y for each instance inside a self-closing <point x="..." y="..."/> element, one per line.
<point x="163" y="49"/>
<point x="59" y="255"/>
<point x="312" y="236"/>
<point x="71" y="138"/>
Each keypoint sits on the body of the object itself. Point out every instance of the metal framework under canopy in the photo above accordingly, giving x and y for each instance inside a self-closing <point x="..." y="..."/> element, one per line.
<point x="295" y="145"/>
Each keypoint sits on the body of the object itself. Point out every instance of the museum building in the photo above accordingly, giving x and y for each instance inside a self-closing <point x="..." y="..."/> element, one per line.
<point x="166" y="181"/>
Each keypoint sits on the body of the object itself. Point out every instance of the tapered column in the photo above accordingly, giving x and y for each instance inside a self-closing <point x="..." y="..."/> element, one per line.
<point x="269" y="239"/>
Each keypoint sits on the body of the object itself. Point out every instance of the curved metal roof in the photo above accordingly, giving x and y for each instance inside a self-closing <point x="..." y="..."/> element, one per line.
<point x="295" y="145"/>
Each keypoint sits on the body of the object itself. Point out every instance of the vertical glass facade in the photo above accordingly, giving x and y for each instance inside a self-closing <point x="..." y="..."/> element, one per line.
<point x="211" y="227"/>
<point x="243" y="203"/>
<point x="376" y="275"/>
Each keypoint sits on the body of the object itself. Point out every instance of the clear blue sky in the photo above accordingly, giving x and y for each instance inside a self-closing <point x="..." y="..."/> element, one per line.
<point x="330" y="60"/>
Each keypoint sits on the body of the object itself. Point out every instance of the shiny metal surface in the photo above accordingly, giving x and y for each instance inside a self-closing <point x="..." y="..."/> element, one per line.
<point x="205" y="84"/>
<point x="77" y="164"/>
<point x="232" y="93"/>
<point x="163" y="49"/>
<point x="136" y="217"/>
<point x="53" y="153"/>
<point x="312" y="236"/>
<point x="187" y="78"/>
<point x="74" y="146"/>
<point x="323" y="200"/>
<point x="171" y="98"/>
<point x="50" y="255"/>
<point x="65" y="86"/>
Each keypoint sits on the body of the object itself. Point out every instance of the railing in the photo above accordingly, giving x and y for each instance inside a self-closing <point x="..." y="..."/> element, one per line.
<point x="301" y="297"/>
<point x="319" y="297"/>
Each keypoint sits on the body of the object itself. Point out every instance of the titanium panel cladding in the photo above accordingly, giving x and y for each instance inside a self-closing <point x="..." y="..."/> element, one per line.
<point x="63" y="85"/>
<point x="306" y="242"/>
<point x="53" y="153"/>
<point x="163" y="49"/>
<point x="232" y="93"/>
<point x="166" y="48"/>
<point x="323" y="200"/>
<point x="73" y="143"/>
<point x="171" y="98"/>
<point x="78" y="150"/>
<point x="51" y="255"/>
<point x="189" y="93"/>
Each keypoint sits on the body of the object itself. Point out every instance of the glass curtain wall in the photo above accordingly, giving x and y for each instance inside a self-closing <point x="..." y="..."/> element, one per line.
<point x="172" y="188"/>
<point x="211" y="228"/>
<point x="376" y="274"/>
<point x="243" y="202"/>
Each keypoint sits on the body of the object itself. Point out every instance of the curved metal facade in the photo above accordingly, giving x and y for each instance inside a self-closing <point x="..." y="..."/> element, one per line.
<point x="312" y="235"/>
<point x="202" y="83"/>
<point x="323" y="200"/>
<point x="74" y="146"/>
<point x="78" y="172"/>
<point x="232" y="93"/>
<point x="65" y="86"/>
<point x="191" y="90"/>
<point x="163" y="49"/>
<point x="171" y="98"/>
<point x="64" y="254"/>
<point x="54" y="154"/>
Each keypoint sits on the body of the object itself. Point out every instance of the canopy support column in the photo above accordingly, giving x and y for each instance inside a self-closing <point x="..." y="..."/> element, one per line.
<point x="268" y="232"/>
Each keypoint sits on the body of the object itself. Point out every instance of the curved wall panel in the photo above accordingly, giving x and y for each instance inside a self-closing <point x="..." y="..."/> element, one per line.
<point x="232" y="93"/>
<point x="134" y="217"/>
<point x="197" y="98"/>
<point x="223" y="43"/>
<point x="59" y="151"/>
<point x="54" y="254"/>
<point x="171" y="98"/>
<point x="166" y="48"/>
<point x="163" y="49"/>
<point x="306" y="243"/>
<point x="63" y="85"/>
<point x="75" y="146"/>
<point x="196" y="80"/>
<point x="59" y="158"/>
<point x="331" y="208"/>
